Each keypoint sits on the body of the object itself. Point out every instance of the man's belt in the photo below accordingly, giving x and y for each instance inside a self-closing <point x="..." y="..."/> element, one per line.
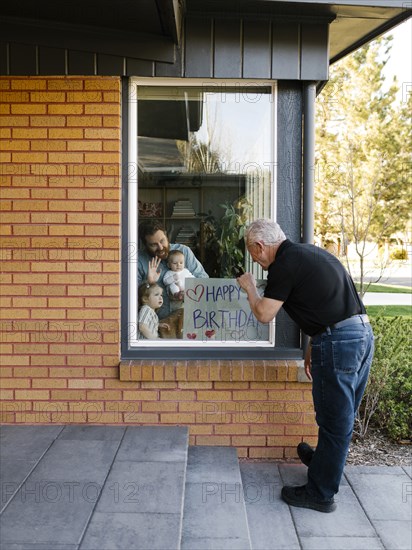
<point x="359" y="319"/>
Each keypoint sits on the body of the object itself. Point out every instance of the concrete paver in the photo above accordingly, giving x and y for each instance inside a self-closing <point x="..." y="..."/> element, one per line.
<point x="27" y="442"/>
<point x="214" y="516"/>
<point x="110" y="531"/>
<point x="92" y="433"/>
<point x="408" y="470"/>
<point x="58" y="498"/>
<point x="386" y="497"/>
<point x="213" y="465"/>
<point x="155" y="444"/>
<point x="349" y="520"/>
<point x="385" y="494"/>
<point x="341" y="543"/>
<point x="81" y="461"/>
<point x="21" y="450"/>
<point x="78" y="495"/>
<point x="355" y="525"/>
<point x="134" y="487"/>
<point x="47" y="513"/>
<point x="395" y="535"/>
<point x="270" y="520"/>
<point x="142" y="500"/>
<point x="38" y="546"/>
<point x="102" y="487"/>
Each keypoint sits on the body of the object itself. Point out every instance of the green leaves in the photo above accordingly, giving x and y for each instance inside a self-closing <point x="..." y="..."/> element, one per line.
<point x="232" y="226"/>
<point x="388" y="397"/>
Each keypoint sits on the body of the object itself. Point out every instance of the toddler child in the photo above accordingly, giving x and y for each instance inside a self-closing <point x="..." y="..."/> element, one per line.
<point x="150" y="300"/>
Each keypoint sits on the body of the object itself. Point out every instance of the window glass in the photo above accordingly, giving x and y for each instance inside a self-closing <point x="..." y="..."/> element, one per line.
<point x="205" y="169"/>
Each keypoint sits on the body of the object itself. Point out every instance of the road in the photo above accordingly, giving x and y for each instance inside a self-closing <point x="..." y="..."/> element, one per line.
<point x="398" y="273"/>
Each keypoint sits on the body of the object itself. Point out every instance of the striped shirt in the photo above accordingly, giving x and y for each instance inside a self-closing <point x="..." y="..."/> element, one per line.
<point x="148" y="317"/>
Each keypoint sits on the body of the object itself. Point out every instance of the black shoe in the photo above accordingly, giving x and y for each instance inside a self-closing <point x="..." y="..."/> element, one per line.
<point x="297" y="496"/>
<point x="305" y="453"/>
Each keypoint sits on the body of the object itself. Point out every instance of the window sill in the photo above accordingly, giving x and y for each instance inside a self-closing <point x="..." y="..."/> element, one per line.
<point x="212" y="371"/>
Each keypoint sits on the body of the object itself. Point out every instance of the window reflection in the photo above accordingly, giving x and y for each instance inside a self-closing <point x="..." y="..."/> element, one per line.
<point x="205" y="171"/>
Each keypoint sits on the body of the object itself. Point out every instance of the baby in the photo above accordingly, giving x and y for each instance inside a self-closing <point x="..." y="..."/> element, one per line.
<point x="150" y="300"/>
<point x="174" y="278"/>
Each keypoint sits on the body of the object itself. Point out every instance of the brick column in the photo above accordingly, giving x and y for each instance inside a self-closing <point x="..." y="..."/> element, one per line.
<point x="60" y="191"/>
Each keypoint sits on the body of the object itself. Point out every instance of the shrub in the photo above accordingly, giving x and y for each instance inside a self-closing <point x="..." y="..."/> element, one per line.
<point x="387" y="401"/>
<point x="399" y="254"/>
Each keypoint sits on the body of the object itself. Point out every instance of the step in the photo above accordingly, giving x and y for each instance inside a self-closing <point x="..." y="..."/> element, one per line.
<point x="105" y="487"/>
<point x="214" y="516"/>
<point x="270" y="521"/>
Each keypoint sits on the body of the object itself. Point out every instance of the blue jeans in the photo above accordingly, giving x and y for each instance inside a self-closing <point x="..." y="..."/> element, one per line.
<point x="341" y="360"/>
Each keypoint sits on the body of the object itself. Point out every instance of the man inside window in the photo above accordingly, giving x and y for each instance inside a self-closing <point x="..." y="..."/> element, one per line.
<point x="152" y="261"/>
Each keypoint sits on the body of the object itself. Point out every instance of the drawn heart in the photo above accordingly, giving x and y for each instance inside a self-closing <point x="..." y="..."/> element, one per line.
<point x="195" y="293"/>
<point x="210" y="333"/>
<point x="191" y="336"/>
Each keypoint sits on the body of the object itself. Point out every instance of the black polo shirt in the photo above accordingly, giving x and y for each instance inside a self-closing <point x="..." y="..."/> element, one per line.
<point x="316" y="289"/>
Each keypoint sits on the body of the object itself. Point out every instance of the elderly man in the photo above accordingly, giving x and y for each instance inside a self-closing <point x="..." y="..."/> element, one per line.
<point x="152" y="260"/>
<point x="319" y="295"/>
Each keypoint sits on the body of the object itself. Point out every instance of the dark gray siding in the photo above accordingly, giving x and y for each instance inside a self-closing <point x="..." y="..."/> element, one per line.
<point x="51" y="61"/>
<point x="257" y="49"/>
<point x="289" y="187"/>
<point x="200" y="34"/>
<point x="237" y="48"/>
<point x="286" y="50"/>
<point x="22" y="59"/>
<point x="314" y="58"/>
<point x="212" y="47"/>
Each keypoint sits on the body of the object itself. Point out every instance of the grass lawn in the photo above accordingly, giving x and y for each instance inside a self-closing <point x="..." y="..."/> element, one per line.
<point x="388" y="288"/>
<point x="389" y="311"/>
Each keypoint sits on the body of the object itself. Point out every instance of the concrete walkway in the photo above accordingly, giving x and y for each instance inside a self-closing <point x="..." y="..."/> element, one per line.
<point x="374" y="510"/>
<point x="119" y="488"/>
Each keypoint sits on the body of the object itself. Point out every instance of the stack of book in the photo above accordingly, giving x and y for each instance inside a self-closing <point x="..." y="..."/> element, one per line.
<point x="186" y="235"/>
<point x="183" y="209"/>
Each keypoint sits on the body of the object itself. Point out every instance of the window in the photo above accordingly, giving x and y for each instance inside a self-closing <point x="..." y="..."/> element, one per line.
<point x="201" y="164"/>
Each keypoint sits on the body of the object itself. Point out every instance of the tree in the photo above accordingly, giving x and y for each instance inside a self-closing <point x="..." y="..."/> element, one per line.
<point x="199" y="156"/>
<point x="363" y="167"/>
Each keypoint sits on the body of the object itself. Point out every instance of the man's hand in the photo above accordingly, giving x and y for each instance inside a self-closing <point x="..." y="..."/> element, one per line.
<point x="152" y="273"/>
<point x="308" y="362"/>
<point x="247" y="282"/>
<point x="264" y="309"/>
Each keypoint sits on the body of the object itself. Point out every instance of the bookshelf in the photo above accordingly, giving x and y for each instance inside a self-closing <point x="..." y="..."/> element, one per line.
<point x="182" y="202"/>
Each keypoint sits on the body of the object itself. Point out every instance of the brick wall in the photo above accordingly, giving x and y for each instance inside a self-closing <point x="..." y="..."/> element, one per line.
<point x="60" y="289"/>
<point x="261" y="407"/>
<point x="60" y="154"/>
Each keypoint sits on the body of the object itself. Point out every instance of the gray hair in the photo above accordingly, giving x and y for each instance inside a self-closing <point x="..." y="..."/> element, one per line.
<point x="265" y="231"/>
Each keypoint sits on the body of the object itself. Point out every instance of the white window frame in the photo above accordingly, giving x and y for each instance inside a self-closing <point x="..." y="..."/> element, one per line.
<point x="132" y="247"/>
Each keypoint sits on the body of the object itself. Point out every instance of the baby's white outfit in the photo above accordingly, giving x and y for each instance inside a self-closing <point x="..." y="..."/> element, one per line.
<point x="175" y="282"/>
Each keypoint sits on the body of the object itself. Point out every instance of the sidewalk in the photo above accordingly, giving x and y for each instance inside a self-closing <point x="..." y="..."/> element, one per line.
<point x="398" y="273"/>
<point x="387" y="299"/>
